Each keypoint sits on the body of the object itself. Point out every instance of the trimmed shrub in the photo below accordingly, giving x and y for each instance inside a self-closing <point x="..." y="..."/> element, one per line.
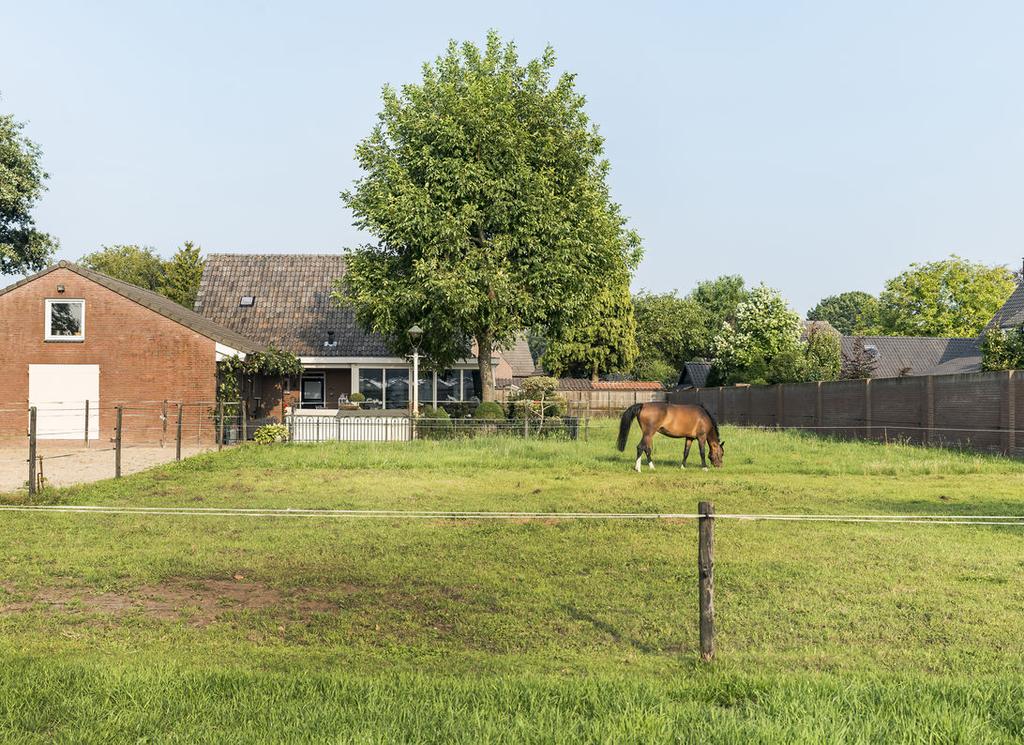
<point x="434" y="424"/>
<point x="490" y="411"/>
<point x="270" y="433"/>
<point x="357" y="398"/>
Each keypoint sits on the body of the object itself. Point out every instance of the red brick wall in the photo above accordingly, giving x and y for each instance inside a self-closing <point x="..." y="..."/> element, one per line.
<point x="143" y="357"/>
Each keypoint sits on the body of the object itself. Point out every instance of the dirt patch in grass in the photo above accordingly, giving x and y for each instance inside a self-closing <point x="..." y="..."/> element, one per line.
<point x="198" y="602"/>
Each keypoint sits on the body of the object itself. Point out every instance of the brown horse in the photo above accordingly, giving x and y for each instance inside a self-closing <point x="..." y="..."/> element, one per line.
<point x="673" y="420"/>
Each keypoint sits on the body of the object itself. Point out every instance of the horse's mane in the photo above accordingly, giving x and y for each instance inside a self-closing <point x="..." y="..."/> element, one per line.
<point x="714" y="424"/>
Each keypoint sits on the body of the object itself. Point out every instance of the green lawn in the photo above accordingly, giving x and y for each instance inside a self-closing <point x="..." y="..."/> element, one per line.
<point x="181" y="628"/>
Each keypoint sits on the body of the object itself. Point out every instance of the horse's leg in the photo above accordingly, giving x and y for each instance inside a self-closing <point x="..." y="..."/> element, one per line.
<point x="686" y="450"/>
<point x="639" y="454"/>
<point x="700" y="444"/>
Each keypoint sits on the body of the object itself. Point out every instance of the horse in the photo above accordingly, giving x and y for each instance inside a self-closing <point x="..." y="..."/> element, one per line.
<point x="673" y="420"/>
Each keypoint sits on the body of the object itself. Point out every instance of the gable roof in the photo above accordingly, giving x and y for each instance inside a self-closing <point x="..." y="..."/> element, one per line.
<point x="694" y="375"/>
<point x="293" y="308"/>
<point x="157" y="303"/>
<point x="917" y="355"/>
<point x="1011" y="314"/>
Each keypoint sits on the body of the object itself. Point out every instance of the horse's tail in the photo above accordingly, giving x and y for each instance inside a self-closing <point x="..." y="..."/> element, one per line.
<point x="714" y="423"/>
<point x="626" y="422"/>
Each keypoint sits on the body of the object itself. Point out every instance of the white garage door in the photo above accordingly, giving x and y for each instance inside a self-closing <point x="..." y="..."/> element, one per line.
<point x="59" y="393"/>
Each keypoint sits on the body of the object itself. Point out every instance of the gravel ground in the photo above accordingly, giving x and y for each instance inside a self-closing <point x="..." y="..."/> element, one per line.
<point x="70" y="463"/>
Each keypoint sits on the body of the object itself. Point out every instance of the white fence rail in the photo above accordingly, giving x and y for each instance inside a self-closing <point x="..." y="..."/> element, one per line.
<point x="314" y="428"/>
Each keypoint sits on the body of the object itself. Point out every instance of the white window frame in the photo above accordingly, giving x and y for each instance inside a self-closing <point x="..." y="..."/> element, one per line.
<point x="48" y="319"/>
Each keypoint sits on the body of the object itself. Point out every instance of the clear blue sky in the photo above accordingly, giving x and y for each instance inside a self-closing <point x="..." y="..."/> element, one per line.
<point x="815" y="146"/>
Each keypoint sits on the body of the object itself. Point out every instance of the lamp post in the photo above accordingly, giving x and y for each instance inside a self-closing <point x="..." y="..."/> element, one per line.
<point x="415" y="334"/>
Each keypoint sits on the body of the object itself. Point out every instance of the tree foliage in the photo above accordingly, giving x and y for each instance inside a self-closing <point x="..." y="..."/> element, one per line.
<point x="860" y="363"/>
<point x="485" y="188"/>
<point x="23" y="248"/>
<point x="177" y="279"/>
<point x="952" y="297"/>
<point x="137" y="265"/>
<point x="182" y="274"/>
<point x="822" y="354"/>
<point x="670" y="330"/>
<point x="762" y="344"/>
<point x="848" y="312"/>
<point x="1003" y="349"/>
<point x="601" y="339"/>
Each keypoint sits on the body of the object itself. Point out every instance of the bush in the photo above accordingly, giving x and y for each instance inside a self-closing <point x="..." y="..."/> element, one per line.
<point x="490" y="411"/>
<point x="434" y="424"/>
<point x="270" y="433"/>
<point x="357" y="398"/>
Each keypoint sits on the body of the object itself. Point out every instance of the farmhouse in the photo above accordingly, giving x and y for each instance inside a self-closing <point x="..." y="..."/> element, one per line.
<point x="284" y="301"/>
<point x="69" y="336"/>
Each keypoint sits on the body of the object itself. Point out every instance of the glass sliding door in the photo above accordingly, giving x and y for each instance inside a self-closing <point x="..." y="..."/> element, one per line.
<point x="470" y="385"/>
<point x="396" y="395"/>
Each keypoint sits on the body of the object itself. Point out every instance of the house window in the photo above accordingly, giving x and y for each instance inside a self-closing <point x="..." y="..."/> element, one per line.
<point x="371" y="385"/>
<point x="449" y="386"/>
<point x="246" y="301"/>
<point x="397" y="394"/>
<point x="426" y="392"/>
<point x="470" y="385"/>
<point x="312" y="389"/>
<point x="65" y="320"/>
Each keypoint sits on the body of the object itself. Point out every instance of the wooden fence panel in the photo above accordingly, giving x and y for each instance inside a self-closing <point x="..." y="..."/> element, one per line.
<point x="763" y="405"/>
<point x="843" y="405"/>
<point x="799" y="405"/>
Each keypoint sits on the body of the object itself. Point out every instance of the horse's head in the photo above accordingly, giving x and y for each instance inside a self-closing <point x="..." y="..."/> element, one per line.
<point x="717" y="452"/>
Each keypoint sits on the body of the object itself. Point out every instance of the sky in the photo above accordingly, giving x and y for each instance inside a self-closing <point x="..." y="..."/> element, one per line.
<point x="817" y="147"/>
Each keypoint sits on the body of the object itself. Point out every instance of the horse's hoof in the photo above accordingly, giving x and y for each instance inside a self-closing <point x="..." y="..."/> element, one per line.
<point x="651" y="466"/>
<point x="703" y="468"/>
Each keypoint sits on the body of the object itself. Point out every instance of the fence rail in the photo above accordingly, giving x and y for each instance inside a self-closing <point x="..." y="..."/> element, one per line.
<point x="325" y="428"/>
<point x="979" y="411"/>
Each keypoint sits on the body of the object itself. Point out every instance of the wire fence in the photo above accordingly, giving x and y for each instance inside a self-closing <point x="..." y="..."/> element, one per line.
<point x="327" y="428"/>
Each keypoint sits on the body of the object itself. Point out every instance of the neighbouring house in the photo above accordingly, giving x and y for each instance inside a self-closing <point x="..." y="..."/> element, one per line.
<point x="69" y="335"/>
<point x="1011" y="315"/>
<point x="285" y="301"/>
<point x="694" y="375"/>
<point x="900" y="356"/>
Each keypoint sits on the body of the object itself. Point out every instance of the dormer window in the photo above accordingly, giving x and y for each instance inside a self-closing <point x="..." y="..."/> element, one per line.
<point x="65" y="320"/>
<point x="247" y="301"/>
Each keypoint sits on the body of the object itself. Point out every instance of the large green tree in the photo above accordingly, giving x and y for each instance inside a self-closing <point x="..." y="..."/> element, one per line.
<point x="137" y="265"/>
<point x="23" y="248"/>
<point x="847" y="312"/>
<point x="182" y="274"/>
<point x="670" y="330"/>
<point x="952" y="297"/>
<point x="177" y="279"/>
<point x="485" y="188"/>
<point x="601" y="339"/>
<point x="762" y="344"/>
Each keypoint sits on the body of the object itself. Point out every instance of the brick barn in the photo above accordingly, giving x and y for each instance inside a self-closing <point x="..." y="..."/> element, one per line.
<point x="70" y="335"/>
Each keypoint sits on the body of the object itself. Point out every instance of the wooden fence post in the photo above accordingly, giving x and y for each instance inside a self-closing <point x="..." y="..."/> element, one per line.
<point x="245" y="425"/>
<point x="163" y="422"/>
<point x="867" y="409"/>
<point x="87" y="422"/>
<point x="706" y="578"/>
<point x="750" y="405"/>
<point x="32" y="451"/>
<point x="177" y="444"/>
<point x="780" y="410"/>
<point x="220" y="425"/>
<point x="721" y="404"/>
<point x="818" y="414"/>
<point x="117" y="443"/>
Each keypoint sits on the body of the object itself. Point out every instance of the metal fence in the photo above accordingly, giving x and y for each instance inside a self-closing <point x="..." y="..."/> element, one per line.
<point x="326" y="428"/>
<point x="979" y="411"/>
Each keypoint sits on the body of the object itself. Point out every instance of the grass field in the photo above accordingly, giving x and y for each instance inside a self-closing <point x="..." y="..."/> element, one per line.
<point x="185" y="629"/>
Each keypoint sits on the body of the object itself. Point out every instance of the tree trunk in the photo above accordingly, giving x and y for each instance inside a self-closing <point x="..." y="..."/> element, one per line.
<point x="484" y="348"/>
<point x="594" y="377"/>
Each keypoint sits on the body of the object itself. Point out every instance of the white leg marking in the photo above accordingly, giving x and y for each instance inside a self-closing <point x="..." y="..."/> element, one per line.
<point x="650" y="464"/>
<point x="637" y="465"/>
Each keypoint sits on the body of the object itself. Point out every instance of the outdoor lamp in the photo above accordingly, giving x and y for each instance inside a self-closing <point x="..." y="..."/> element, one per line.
<point x="415" y="334"/>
